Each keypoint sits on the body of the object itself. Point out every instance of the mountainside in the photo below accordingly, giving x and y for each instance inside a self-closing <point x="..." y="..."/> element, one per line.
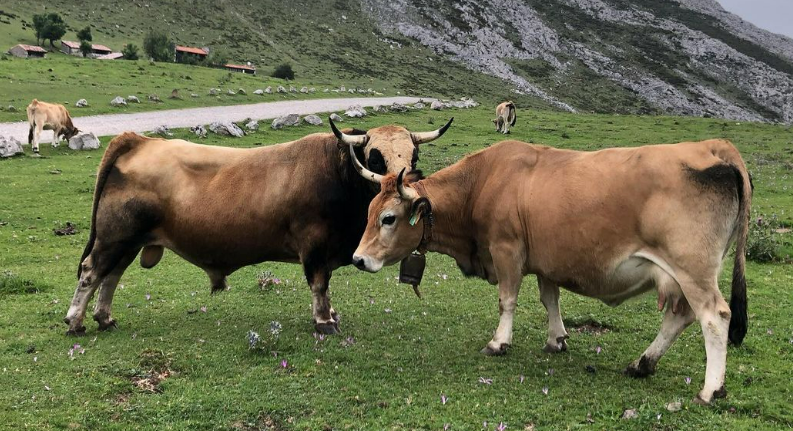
<point x="686" y="57"/>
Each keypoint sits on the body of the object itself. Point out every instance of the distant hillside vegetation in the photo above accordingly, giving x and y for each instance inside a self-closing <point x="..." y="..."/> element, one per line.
<point x="685" y="57"/>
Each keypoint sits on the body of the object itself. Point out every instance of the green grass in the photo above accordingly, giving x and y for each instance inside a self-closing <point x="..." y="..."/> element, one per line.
<point x="401" y="362"/>
<point x="61" y="78"/>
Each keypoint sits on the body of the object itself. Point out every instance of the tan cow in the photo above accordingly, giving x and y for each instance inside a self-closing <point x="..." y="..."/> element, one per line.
<point x="49" y="116"/>
<point x="224" y="208"/>
<point x="608" y="224"/>
<point x="505" y="117"/>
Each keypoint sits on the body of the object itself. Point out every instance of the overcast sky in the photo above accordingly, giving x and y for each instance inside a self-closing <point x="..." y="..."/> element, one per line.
<point x="773" y="15"/>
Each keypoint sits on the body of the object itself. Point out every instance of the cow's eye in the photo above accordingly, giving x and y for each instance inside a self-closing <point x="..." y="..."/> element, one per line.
<point x="387" y="220"/>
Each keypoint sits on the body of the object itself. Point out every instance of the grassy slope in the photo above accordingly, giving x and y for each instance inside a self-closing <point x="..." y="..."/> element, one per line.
<point x="402" y="361"/>
<point x="66" y="79"/>
<point x="328" y="43"/>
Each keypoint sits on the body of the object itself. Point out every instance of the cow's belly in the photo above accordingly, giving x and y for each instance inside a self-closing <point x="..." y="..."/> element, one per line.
<point x="632" y="276"/>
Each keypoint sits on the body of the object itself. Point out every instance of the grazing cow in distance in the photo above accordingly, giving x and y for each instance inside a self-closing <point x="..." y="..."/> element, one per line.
<point x="225" y="208"/>
<point x="505" y="117"/>
<point x="49" y="116"/>
<point x="608" y="224"/>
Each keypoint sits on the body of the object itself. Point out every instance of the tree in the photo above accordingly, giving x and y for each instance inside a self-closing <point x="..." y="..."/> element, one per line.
<point x="86" y="48"/>
<point x="85" y="35"/>
<point x="284" y="71"/>
<point x="217" y="58"/>
<point x="130" y="51"/>
<point x="48" y="26"/>
<point x="158" y="46"/>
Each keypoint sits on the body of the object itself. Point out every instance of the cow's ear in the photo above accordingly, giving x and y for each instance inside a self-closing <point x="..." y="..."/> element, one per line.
<point x="413" y="176"/>
<point x="421" y="207"/>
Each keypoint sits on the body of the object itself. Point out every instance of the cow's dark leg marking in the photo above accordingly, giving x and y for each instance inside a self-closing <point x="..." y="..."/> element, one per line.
<point x="107" y="288"/>
<point x="318" y="277"/>
<point x="217" y="279"/>
<point x="557" y="335"/>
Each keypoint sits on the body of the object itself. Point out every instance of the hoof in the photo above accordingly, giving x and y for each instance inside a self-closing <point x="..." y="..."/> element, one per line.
<point x="699" y="401"/>
<point x="336" y="318"/>
<point x="110" y="324"/>
<point x="77" y="332"/>
<point x="555" y="347"/>
<point x="328" y="328"/>
<point x="501" y="351"/>
<point x="640" y="369"/>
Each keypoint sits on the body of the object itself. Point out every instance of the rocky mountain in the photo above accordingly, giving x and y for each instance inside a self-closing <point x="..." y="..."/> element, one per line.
<point x="688" y="57"/>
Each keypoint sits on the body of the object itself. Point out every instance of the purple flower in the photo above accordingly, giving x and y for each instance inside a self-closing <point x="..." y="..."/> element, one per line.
<point x="522" y="378"/>
<point x="545" y="390"/>
<point x="148" y="297"/>
<point x="485" y="381"/>
<point x="204" y="309"/>
<point x="284" y="364"/>
<point x="688" y="380"/>
<point x="501" y="426"/>
<point x="444" y="399"/>
<point x="598" y="349"/>
<point x="446" y="427"/>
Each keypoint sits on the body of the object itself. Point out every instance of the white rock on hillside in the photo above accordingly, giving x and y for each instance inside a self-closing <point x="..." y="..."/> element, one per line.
<point x="84" y="141"/>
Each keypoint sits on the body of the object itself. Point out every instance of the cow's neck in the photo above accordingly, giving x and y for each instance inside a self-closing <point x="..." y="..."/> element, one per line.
<point x="448" y="192"/>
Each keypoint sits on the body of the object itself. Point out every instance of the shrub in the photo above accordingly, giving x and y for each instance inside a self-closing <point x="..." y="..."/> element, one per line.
<point x="130" y="51"/>
<point x="284" y="71"/>
<point x="763" y="243"/>
<point x="158" y="46"/>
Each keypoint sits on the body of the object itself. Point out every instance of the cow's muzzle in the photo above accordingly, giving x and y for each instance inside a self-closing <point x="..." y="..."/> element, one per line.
<point x="366" y="263"/>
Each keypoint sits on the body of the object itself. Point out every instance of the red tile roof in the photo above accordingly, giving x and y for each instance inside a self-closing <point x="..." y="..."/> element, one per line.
<point x="191" y="50"/>
<point x="32" y="48"/>
<point x="98" y="47"/>
<point x="70" y="44"/>
<point x="111" y="56"/>
<point x="240" y="66"/>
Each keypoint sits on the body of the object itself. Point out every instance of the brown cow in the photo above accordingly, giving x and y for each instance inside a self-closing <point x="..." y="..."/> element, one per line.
<point x="505" y="117"/>
<point x="608" y="224"/>
<point x="49" y="116"/>
<point x="224" y="208"/>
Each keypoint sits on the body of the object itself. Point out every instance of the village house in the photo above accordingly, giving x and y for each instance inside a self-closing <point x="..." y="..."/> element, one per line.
<point x="188" y="53"/>
<point x="111" y="56"/>
<point x="73" y="48"/>
<point x="241" y="68"/>
<point x="27" y="51"/>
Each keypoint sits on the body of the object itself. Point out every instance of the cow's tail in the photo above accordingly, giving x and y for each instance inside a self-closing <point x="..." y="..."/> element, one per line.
<point x="512" y="116"/>
<point x="119" y="146"/>
<point x="739" y="322"/>
<point x="30" y="132"/>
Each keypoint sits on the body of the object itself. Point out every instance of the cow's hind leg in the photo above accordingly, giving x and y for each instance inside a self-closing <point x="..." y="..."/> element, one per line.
<point x="104" y="300"/>
<point x="677" y="317"/>
<point x="557" y="335"/>
<point x="102" y="260"/>
<point x="508" y="265"/>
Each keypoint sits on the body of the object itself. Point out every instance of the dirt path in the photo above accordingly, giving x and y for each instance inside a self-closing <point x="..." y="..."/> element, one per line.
<point x="113" y="124"/>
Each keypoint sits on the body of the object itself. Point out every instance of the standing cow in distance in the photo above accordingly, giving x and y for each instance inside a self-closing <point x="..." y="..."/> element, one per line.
<point x="49" y="116"/>
<point x="607" y="224"/>
<point x="505" y="117"/>
<point x="225" y="208"/>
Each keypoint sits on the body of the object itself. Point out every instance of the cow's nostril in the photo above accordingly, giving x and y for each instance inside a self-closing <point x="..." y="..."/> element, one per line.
<point x="358" y="262"/>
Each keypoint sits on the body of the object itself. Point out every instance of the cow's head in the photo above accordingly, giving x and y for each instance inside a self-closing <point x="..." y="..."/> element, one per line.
<point x="70" y="132"/>
<point x="395" y="226"/>
<point x="389" y="149"/>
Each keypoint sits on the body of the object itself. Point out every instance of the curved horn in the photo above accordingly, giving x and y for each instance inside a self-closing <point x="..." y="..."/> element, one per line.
<point x="366" y="173"/>
<point x="405" y="193"/>
<point x="355" y="140"/>
<point x="423" y="137"/>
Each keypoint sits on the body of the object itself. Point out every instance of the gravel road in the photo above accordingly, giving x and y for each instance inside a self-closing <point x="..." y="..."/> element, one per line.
<point x="113" y="124"/>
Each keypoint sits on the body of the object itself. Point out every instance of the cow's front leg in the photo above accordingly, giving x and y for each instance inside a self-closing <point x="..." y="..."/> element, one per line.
<point x="557" y="335"/>
<point x="677" y="317"/>
<point x="325" y="317"/>
<point x="507" y="262"/>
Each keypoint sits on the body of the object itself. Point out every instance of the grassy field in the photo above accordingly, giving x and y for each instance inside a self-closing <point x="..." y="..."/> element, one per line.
<point x="398" y="355"/>
<point x="61" y="78"/>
